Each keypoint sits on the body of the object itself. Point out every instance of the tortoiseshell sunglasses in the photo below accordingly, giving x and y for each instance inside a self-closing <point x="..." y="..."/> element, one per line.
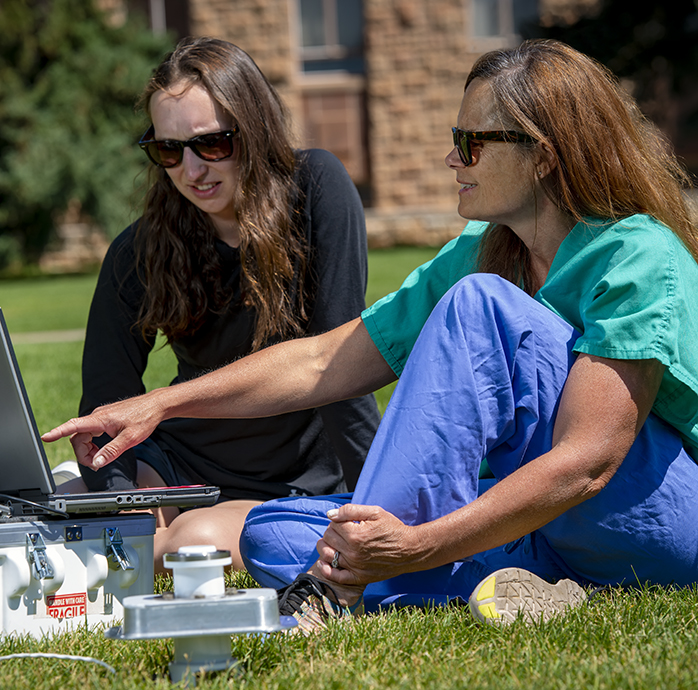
<point x="462" y="139"/>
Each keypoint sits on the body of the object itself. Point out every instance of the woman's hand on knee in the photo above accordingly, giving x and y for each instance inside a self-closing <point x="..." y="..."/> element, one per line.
<point x="372" y="543"/>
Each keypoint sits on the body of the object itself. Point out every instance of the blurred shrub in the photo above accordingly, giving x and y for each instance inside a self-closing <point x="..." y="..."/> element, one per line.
<point x="68" y="83"/>
<point x="10" y="252"/>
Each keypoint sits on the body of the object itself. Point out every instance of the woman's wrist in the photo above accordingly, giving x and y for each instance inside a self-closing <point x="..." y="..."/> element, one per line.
<point x="422" y="547"/>
<point x="166" y="403"/>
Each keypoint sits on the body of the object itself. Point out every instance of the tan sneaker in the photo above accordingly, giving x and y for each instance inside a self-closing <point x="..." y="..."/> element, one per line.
<point x="510" y="592"/>
<point x="307" y="600"/>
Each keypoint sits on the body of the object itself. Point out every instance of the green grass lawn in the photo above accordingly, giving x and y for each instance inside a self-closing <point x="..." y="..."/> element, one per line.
<point x="53" y="303"/>
<point x="642" y="639"/>
<point x="639" y="640"/>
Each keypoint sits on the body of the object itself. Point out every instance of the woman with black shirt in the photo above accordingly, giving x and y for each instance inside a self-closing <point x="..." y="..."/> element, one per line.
<point x="244" y="242"/>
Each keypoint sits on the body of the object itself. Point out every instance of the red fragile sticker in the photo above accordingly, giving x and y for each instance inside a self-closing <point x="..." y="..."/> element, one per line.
<point x="66" y="605"/>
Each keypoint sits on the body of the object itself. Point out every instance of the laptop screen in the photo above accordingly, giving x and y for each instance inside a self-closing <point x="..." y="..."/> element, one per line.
<point x="23" y="463"/>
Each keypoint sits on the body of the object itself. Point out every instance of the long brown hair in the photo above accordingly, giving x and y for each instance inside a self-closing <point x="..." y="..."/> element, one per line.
<point x="175" y="241"/>
<point x="611" y="161"/>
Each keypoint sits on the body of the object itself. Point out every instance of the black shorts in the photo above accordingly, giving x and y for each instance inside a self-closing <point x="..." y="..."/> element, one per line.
<point x="152" y="454"/>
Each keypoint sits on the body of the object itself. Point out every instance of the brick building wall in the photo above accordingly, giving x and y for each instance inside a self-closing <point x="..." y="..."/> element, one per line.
<point x="390" y="126"/>
<point x="417" y="61"/>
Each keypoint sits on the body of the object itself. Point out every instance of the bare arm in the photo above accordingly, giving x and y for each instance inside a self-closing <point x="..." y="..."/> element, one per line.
<point x="295" y="375"/>
<point x="603" y="406"/>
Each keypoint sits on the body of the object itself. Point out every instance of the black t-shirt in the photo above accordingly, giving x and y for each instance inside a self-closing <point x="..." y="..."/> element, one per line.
<point x="311" y="451"/>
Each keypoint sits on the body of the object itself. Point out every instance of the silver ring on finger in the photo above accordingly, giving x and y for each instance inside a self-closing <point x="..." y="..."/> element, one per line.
<point x="335" y="560"/>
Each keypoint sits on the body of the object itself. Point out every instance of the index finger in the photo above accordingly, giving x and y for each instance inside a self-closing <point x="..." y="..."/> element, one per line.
<point x="77" y="425"/>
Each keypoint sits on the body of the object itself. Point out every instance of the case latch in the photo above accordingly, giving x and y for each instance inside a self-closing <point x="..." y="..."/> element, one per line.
<point x="36" y="555"/>
<point x="114" y="548"/>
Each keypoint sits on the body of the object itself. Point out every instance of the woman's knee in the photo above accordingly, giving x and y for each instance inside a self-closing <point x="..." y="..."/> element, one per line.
<point x="279" y="537"/>
<point x="483" y="289"/>
<point x="489" y="297"/>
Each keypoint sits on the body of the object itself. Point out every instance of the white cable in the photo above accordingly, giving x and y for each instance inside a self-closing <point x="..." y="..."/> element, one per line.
<point x="38" y="655"/>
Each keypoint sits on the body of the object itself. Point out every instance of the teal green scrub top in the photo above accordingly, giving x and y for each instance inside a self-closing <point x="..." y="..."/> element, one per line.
<point x="630" y="287"/>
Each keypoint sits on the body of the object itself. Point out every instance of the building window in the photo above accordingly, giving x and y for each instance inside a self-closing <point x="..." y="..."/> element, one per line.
<point x="486" y="19"/>
<point x="335" y="119"/>
<point x="501" y="22"/>
<point x="332" y="83"/>
<point x="162" y="15"/>
<point x="332" y="36"/>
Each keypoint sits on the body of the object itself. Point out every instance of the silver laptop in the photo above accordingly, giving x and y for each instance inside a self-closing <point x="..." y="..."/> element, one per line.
<point x="27" y="487"/>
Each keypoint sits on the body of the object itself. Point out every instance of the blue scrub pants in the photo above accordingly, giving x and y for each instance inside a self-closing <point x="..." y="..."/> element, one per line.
<point x="484" y="380"/>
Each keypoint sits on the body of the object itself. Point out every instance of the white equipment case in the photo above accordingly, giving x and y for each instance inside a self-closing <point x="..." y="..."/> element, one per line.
<point x="66" y="559"/>
<point x="57" y="574"/>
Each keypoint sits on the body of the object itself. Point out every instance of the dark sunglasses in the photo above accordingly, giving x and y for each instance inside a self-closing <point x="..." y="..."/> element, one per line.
<point x="462" y="140"/>
<point x="167" y="153"/>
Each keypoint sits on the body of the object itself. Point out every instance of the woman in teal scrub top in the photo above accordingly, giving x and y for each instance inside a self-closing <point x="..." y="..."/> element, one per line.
<point x="556" y="337"/>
